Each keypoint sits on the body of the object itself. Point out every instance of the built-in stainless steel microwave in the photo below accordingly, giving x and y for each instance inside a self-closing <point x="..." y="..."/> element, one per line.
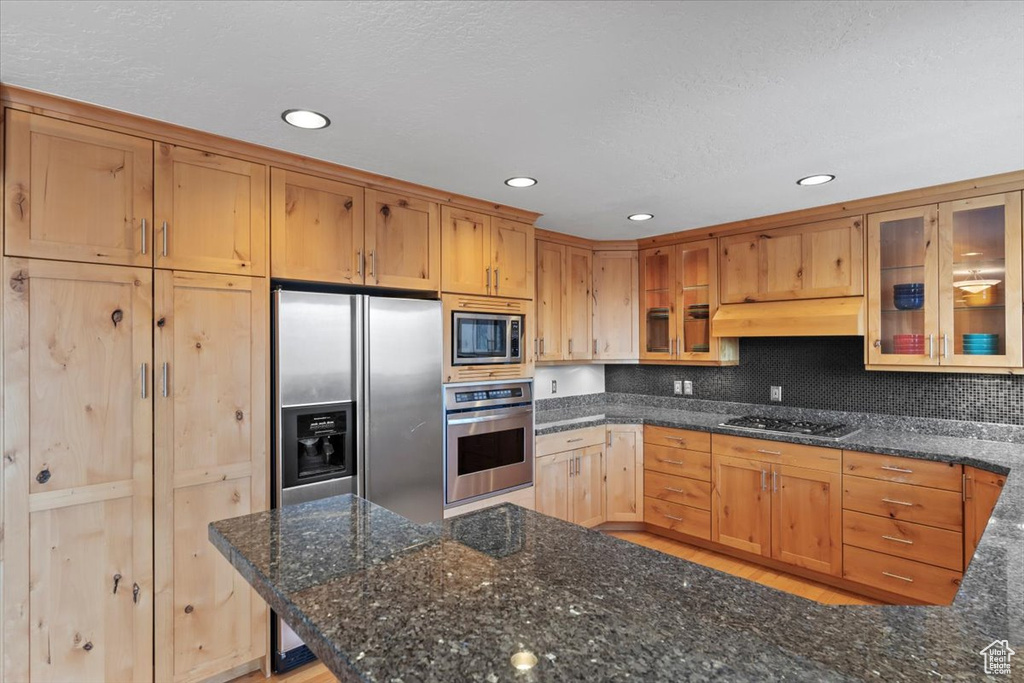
<point x="486" y="338"/>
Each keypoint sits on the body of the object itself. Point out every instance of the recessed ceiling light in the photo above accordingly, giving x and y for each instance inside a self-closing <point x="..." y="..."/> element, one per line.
<point x="819" y="179"/>
<point x="521" y="181"/>
<point x="641" y="216"/>
<point x="304" y="118"/>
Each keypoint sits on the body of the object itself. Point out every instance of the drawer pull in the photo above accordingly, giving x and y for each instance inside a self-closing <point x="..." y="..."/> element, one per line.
<point x="677" y="439"/>
<point x="761" y="450"/>
<point x="901" y="578"/>
<point x="897" y="469"/>
<point x="898" y="540"/>
<point x="669" y="488"/>
<point x="672" y="462"/>
<point x="574" y="440"/>
<point x="897" y="502"/>
<point x="678" y="519"/>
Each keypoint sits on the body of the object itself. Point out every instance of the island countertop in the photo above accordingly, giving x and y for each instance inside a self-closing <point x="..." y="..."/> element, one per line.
<point x="379" y="598"/>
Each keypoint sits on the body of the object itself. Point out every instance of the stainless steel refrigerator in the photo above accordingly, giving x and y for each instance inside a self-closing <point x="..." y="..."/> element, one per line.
<point x="358" y="409"/>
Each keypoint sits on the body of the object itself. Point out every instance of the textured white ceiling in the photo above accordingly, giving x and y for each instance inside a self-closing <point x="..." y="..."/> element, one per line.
<point x="697" y="112"/>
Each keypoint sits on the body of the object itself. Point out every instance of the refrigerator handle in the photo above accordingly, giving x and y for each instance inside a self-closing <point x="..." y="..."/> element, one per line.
<point x="360" y="324"/>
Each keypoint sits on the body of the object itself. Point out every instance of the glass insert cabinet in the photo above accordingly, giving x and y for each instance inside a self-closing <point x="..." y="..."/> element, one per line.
<point x="944" y="284"/>
<point x="679" y="289"/>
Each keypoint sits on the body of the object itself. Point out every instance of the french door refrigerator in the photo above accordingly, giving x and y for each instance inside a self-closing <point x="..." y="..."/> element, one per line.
<point x="358" y="409"/>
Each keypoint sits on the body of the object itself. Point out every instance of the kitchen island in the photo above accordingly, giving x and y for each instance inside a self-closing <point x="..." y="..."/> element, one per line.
<point x="380" y="598"/>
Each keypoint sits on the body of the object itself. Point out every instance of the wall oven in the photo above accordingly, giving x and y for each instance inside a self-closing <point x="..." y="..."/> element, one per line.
<point x="488" y="439"/>
<point x="486" y="338"/>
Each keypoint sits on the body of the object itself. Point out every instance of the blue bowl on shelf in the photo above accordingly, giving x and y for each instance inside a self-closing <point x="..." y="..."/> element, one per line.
<point x="908" y="302"/>
<point x="977" y="336"/>
<point x="908" y="287"/>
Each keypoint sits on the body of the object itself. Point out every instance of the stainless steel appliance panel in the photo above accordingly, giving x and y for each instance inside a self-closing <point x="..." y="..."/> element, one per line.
<point x="315" y="357"/>
<point x="403" y="407"/>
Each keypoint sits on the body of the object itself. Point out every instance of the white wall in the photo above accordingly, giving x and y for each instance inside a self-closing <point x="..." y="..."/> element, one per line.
<point x="573" y="380"/>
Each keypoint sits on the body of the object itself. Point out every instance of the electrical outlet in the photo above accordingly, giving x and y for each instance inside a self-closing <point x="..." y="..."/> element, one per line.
<point x="776" y="394"/>
<point x="554" y="386"/>
<point x="677" y="387"/>
<point x="688" y="388"/>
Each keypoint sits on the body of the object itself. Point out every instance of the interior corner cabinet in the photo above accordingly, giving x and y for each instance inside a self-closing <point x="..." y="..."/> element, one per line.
<point x="965" y="256"/>
<point x="564" y="305"/>
<point x="209" y="212"/>
<point x="679" y="290"/>
<point x="78" y="477"/>
<point x="813" y="261"/>
<point x="616" y="308"/>
<point x="624" y="468"/>
<point x="486" y="255"/>
<point x="77" y="193"/>
<point x="402" y="241"/>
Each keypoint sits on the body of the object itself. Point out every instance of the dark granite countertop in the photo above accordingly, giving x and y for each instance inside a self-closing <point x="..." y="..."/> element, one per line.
<point x="379" y="598"/>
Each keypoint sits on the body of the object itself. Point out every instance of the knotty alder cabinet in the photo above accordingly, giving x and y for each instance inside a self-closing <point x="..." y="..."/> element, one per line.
<point x="486" y="255"/>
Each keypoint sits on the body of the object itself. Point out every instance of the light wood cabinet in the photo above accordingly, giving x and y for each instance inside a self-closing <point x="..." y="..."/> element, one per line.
<point x="741" y="504"/>
<point x="402" y="241"/>
<point x="813" y="261"/>
<point x="616" y="312"/>
<point x="77" y="193"/>
<point x="959" y="267"/>
<point x="551" y="481"/>
<point x="624" y="465"/>
<point x="677" y="480"/>
<point x="578" y="312"/>
<point x="512" y="257"/>
<point x="552" y="283"/>
<point x="486" y="255"/>
<point x="77" y="584"/>
<point x="211" y="460"/>
<point x="807" y="518"/>
<point x="210" y="212"/>
<point x="316" y="229"/>
<point x="570" y="484"/>
<point x="588" y="503"/>
<point x="982" y="490"/>
<point x="679" y="289"/>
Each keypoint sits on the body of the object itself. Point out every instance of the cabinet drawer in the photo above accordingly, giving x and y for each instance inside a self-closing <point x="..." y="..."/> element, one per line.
<point x="904" y="539"/>
<point x="681" y="518"/>
<point x="937" y="475"/>
<point x="677" y="461"/>
<point x="678" y="438"/>
<point x="549" y="444"/>
<point x="678" y="489"/>
<point x="905" y="577"/>
<point x="904" y="502"/>
<point x="797" y="455"/>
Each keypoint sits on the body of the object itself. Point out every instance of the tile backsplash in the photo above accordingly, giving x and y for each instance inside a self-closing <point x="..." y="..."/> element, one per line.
<point x="828" y="373"/>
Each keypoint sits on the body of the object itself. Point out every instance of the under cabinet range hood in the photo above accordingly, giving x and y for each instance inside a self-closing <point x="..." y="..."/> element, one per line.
<point x="842" y="316"/>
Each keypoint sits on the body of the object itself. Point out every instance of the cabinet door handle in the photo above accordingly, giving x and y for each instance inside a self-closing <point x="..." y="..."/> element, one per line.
<point x="497" y="272"/>
<point x="163" y="389"/>
<point x="761" y="450"/>
<point x="775" y="481"/>
<point x="359" y="263"/>
<point x="931" y="346"/>
<point x="578" y="466"/>
<point x="488" y="270"/>
<point x="678" y="519"/>
<point x="595" y="347"/>
<point x="144" y="376"/>
<point x="570" y="346"/>
<point x="898" y="540"/>
<point x="536" y="346"/>
<point x="945" y="346"/>
<point x="608" y="438"/>
<point x="897" y="502"/>
<point x="897" y="576"/>
<point x="963" y="488"/>
<point x="164" y="237"/>
<point x="542" y="346"/>
<point x="143" y="235"/>
<point x="896" y="469"/>
<point x="764" y="485"/>
<point x="373" y="263"/>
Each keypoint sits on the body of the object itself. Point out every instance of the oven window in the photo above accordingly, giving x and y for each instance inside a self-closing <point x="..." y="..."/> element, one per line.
<point x="482" y="338"/>
<point x="481" y="452"/>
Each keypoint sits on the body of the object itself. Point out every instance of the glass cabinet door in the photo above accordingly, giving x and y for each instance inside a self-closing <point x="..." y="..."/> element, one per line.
<point x="657" y="329"/>
<point x="697" y="282"/>
<point x="902" y="287"/>
<point x="980" y="281"/>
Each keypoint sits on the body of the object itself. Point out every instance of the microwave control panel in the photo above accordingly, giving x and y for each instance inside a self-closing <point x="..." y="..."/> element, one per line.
<point x="514" y="340"/>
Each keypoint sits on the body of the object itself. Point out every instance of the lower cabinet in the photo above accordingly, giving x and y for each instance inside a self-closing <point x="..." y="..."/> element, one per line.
<point x="624" y="467"/>
<point x="677" y="480"/>
<point x="570" y="485"/>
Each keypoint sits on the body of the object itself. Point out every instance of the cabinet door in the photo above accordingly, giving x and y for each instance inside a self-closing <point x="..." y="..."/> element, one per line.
<point x="740" y="260"/>
<point x="982" y="490"/>
<point x="616" y="305"/>
<point x="512" y="257"/>
<point x="741" y="504"/>
<point x="807" y="518"/>
<point x="578" y="304"/>
<point x="551" y="315"/>
<point x="551" y="482"/>
<point x="465" y="252"/>
<point x="316" y="229"/>
<point x="588" y="486"/>
<point x="78" y="507"/>
<point x="657" y="287"/>
<point x="624" y="463"/>
<point x="696" y="299"/>
<point x="210" y="212"/>
<point x="903" y="254"/>
<point x="211" y="463"/>
<point x="403" y="242"/>
<point x="980" y="282"/>
<point x="77" y="193"/>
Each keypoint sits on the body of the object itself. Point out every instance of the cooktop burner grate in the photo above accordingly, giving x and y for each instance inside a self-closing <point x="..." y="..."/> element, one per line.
<point x="761" y="423"/>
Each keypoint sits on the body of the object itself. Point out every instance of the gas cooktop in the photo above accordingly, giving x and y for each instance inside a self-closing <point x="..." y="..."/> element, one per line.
<point x="759" y="423"/>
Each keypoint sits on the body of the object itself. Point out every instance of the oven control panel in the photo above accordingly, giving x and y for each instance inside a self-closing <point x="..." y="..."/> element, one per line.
<point x="488" y="395"/>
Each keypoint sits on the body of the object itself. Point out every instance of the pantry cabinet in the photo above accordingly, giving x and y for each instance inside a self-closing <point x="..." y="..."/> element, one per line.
<point x="210" y="212"/>
<point x="78" y="477"/>
<point x="616" y="298"/>
<point x="486" y="255"/>
<point x="402" y="241"/>
<point x="944" y="285"/>
<point x="77" y="193"/>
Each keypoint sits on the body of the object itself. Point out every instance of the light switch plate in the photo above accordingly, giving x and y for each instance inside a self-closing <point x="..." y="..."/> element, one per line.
<point x="677" y="387"/>
<point x="554" y="386"/>
<point x="688" y="387"/>
<point x="776" y="394"/>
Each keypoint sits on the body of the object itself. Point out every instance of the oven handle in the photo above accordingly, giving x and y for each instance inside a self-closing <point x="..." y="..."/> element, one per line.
<point x="489" y="418"/>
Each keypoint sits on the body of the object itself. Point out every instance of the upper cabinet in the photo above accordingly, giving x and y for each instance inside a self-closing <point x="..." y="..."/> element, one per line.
<point x="811" y="261"/>
<point x="616" y="305"/>
<point x="551" y="284"/>
<point x="578" y="311"/>
<point x="77" y="193"/>
<point x="316" y="229"/>
<point x="402" y="242"/>
<point x="210" y="212"/>
<point x="486" y="255"/>
<point x="944" y="285"/>
<point x="679" y="288"/>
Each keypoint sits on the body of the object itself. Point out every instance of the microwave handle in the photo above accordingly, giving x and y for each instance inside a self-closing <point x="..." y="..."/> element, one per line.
<point x="487" y="418"/>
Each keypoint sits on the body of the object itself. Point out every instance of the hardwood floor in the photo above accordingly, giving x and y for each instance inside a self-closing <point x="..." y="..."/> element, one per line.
<point x="812" y="590"/>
